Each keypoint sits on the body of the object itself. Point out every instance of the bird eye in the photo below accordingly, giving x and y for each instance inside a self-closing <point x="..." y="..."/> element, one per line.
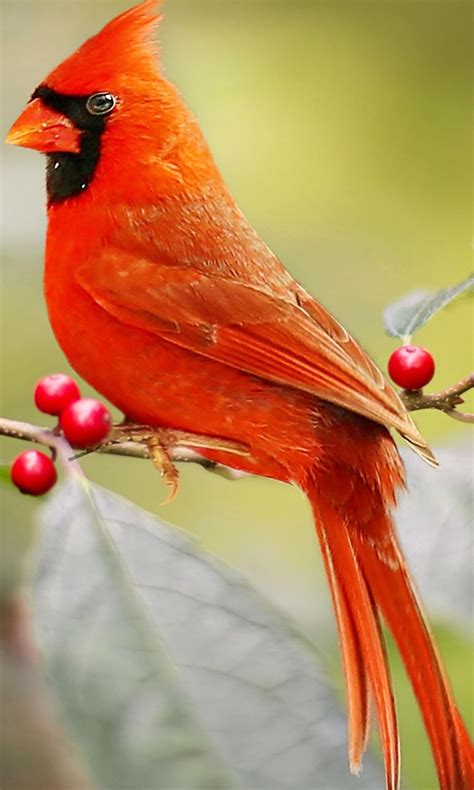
<point x="101" y="103"/>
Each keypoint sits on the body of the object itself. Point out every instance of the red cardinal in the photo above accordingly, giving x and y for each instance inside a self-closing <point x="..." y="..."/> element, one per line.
<point x="165" y="299"/>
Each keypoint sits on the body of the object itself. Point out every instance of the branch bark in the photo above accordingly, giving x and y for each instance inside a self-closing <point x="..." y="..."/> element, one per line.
<point x="47" y="437"/>
<point x="446" y="401"/>
<point x="37" y="434"/>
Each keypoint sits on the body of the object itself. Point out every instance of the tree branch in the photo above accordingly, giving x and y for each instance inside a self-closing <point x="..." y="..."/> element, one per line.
<point x="45" y="436"/>
<point x="446" y="401"/>
<point x="27" y="432"/>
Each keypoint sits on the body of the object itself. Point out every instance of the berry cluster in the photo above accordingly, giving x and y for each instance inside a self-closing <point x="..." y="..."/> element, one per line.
<point x="85" y="422"/>
<point x="411" y="367"/>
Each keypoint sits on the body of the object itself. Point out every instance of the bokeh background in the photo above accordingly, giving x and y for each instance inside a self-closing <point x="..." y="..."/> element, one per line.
<point x="343" y="129"/>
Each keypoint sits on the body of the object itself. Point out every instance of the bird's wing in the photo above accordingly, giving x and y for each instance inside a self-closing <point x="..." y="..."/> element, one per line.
<point x="281" y="335"/>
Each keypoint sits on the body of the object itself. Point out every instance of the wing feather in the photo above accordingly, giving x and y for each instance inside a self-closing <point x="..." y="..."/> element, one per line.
<point x="279" y="334"/>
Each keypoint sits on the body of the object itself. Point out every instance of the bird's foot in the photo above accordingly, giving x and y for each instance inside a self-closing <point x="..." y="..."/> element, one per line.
<point x="162" y="441"/>
<point x="161" y="458"/>
<point x="159" y="442"/>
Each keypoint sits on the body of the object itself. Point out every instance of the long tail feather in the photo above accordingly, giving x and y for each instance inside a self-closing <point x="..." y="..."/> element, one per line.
<point x="361" y="641"/>
<point x="387" y="576"/>
<point x="367" y="573"/>
<point x="357" y="682"/>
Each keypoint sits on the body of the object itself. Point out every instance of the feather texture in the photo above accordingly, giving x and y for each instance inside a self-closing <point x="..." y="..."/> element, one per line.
<point x="281" y="335"/>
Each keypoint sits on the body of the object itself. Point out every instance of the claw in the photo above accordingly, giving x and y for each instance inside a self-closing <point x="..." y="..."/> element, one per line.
<point x="162" y="461"/>
<point x="159" y="440"/>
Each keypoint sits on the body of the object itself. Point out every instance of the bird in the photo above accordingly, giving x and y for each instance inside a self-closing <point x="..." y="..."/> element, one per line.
<point x="166" y="300"/>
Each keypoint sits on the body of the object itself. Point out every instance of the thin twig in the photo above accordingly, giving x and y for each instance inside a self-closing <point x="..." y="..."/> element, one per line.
<point x="446" y="401"/>
<point x="461" y="416"/>
<point x="45" y="436"/>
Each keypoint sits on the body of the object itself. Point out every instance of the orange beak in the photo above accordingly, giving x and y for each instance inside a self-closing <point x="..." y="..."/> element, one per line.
<point x="45" y="130"/>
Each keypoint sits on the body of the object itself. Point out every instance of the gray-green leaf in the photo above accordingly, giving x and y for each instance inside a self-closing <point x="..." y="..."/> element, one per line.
<point x="404" y="317"/>
<point x="434" y="522"/>
<point x="170" y="671"/>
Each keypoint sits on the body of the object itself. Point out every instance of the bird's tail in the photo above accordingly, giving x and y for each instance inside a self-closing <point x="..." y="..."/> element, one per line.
<point x="368" y="577"/>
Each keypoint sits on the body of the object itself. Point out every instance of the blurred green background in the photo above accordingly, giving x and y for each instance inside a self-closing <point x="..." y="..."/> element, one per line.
<point x="343" y="129"/>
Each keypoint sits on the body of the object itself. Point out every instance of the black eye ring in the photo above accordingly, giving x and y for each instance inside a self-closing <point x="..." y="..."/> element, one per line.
<point x="101" y="103"/>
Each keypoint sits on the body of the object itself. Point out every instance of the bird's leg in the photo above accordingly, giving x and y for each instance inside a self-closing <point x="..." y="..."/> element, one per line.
<point x="160" y="441"/>
<point x="160" y="456"/>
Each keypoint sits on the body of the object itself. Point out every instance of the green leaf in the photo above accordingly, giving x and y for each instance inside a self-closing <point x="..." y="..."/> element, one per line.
<point x="404" y="317"/>
<point x="170" y="671"/>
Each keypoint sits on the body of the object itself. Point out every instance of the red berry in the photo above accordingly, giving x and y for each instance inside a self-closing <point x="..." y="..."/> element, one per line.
<point x="53" y="393"/>
<point x="411" y="367"/>
<point x="85" y="423"/>
<point x="33" y="473"/>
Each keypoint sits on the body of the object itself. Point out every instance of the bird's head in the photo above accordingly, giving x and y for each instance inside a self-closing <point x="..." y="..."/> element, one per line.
<point x="106" y="114"/>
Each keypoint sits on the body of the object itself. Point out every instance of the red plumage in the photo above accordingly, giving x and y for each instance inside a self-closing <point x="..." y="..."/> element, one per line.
<point x="166" y="300"/>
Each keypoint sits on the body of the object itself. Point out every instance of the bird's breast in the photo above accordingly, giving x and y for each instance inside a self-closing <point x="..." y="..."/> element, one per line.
<point x="153" y="381"/>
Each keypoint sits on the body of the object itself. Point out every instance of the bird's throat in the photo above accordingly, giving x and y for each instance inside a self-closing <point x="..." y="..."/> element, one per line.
<point x="68" y="174"/>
